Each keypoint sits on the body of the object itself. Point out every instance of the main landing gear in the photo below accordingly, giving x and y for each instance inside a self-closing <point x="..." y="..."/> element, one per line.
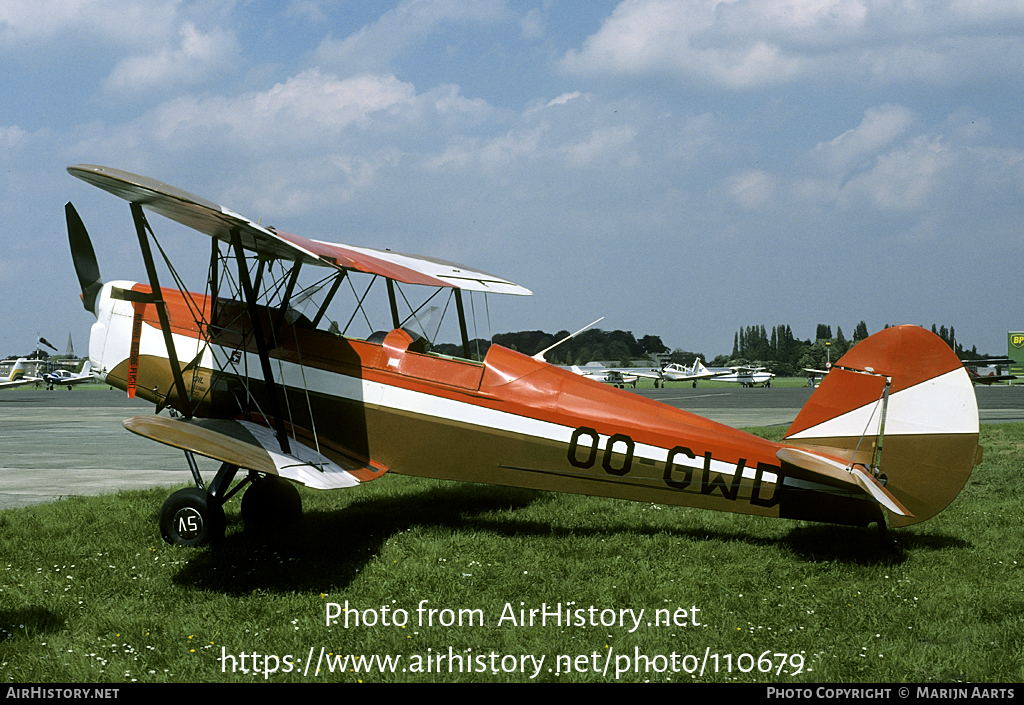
<point x="194" y="516"/>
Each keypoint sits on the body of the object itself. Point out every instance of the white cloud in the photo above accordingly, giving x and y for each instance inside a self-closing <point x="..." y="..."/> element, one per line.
<point x="375" y="46"/>
<point x="196" y="58"/>
<point x="302" y="112"/>
<point x="603" y="143"/>
<point x="26" y="26"/>
<point x="747" y="43"/>
<point x="752" y="189"/>
<point x="564" y="98"/>
<point x="11" y="137"/>
<point x="905" y="178"/>
<point x="533" y="25"/>
<point x="880" y="127"/>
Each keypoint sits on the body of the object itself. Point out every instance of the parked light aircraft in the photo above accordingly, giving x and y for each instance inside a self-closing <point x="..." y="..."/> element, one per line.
<point x="747" y="376"/>
<point x="674" y="372"/>
<point x="615" y="376"/>
<point x="17" y="377"/>
<point x="813" y="375"/>
<point x="272" y="394"/>
<point x="989" y="371"/>
<point x="66" y="378"/>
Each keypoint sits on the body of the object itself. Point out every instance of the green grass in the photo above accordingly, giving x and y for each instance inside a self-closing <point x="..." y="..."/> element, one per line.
<point x="90" y="593"/>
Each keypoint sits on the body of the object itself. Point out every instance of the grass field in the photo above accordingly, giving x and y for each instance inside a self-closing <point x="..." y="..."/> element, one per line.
<point x="90" y="593"/>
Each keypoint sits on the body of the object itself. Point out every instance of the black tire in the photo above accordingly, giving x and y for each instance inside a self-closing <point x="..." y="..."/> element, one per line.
<point x="271" y="501"/>
<point x="190" y="517"/>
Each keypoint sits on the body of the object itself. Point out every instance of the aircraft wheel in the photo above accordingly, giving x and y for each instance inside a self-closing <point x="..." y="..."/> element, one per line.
<point x="190" y="517"/>
<point x="271" y="501"/>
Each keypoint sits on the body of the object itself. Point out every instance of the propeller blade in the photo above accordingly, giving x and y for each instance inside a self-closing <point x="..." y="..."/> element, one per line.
<point x="84" y="258"/>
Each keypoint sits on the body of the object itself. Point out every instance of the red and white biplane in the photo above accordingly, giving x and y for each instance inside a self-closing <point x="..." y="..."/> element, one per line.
<point x="275" y="395"/>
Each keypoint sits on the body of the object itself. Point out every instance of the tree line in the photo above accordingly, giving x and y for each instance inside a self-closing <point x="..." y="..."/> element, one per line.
<point x="617" y="346"/>
<point x="777" y="349"/>
<point x="788" y="356"/>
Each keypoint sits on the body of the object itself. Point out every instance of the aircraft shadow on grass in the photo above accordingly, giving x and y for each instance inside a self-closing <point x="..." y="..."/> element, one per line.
<point x="30" y="620"/>
<point x="284" y="560"/>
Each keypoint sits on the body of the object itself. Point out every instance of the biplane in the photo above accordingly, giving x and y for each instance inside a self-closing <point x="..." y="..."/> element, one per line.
<point x="276" y="394"/>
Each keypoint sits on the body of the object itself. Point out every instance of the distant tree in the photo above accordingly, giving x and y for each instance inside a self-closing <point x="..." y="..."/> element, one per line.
<point x="684" y="357"/>
<point x="652" y="345"/>
<point x="860" y="332"/>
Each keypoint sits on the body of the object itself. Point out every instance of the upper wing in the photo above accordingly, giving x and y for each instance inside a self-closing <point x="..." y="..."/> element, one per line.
<point x="219" y="222"/>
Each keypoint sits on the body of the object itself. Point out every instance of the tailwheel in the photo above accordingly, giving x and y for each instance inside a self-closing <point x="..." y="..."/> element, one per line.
<point x="271" y="501"/>
<point x="191" y="517"/>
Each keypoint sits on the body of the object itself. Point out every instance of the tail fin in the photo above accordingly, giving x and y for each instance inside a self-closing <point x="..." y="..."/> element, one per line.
<point x="901" y="406"/>
<point x="17" y="371"/>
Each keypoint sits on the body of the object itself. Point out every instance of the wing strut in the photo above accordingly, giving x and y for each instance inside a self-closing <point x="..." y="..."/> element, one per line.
<point x="261" y="344"/>
<point x="214" y="283"/>
<point x="396" y="321"/>
<point x="286" y="301"/>
<point x="330" y="297"/>
<point x="161" y="307"/>
<point x="462" y="323"/>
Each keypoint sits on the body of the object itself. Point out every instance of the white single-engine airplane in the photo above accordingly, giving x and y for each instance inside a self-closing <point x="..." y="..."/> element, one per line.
<point x="272" y="395"/>
<point x="747" y="376"/>
<point x="66" y="378"/>
<point x="615" y="376"/>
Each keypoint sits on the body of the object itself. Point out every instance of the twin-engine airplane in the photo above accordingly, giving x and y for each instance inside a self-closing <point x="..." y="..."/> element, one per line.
<point x="674" y="372"/>
<point x="274" y="394"/>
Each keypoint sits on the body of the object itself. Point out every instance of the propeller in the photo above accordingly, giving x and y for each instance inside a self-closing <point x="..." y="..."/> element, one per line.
<point x="84" y="258"/>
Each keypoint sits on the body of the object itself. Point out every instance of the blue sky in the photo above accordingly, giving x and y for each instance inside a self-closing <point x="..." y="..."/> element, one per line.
<point x="683" y="168"/>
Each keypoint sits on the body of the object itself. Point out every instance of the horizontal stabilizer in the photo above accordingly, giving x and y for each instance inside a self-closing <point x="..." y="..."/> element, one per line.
<point x="829" y="471"/>
<point x="254" y="447"/>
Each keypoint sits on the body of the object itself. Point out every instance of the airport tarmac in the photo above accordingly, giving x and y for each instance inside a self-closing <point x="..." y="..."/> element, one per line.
<point x="60" y="443"/>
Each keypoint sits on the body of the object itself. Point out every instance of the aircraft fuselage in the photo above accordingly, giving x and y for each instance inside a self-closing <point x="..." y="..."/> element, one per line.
<point x="510" y="420"/>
